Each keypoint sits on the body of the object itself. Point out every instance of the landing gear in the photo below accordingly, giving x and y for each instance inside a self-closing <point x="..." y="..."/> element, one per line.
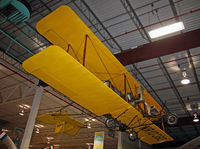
<point x="172" y="119"/>
<point x="133" y="136"/>
<point x="110" y="123"/>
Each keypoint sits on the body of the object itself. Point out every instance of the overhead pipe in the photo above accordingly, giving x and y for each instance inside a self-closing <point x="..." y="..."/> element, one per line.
<point x="14" y="40"/>
<point x="165" y="20"/>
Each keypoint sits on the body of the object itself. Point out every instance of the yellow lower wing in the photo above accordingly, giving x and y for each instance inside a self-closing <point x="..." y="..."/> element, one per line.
<point x="64" y="124"/>
<point x="60" y="70"/>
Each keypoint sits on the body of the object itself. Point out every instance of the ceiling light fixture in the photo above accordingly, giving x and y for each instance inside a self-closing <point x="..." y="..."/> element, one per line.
<point x="89" y="125"/>
<point x="196" y="119"/>
<point x="185" y="80"/>
<point x="165" y="30"/>
<point x="39" y="126"/>
<point x="90" y="119"/>
<point x="24" y="106"/>
<point x="37" y="130"/>
<point x="21" y="113"/>
<point x="50" y="138"/>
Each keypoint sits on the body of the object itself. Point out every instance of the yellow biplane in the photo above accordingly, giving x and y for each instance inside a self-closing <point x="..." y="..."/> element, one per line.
<point x="80" y="66"/>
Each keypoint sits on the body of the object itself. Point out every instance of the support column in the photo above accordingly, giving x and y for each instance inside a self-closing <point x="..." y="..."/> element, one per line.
<point x="31" y="119"/>
<point x="119" y="145"/>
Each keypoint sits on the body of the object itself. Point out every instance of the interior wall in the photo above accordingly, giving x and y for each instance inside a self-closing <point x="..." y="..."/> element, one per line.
<point x="125" y="143"/>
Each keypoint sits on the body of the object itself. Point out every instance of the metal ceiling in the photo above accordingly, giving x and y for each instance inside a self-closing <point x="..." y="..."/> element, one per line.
<point x="120" y="25"/>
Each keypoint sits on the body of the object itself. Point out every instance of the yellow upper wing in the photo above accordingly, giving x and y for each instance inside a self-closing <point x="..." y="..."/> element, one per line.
<point x="63" y="27"/>
<point x="60" y="70"/>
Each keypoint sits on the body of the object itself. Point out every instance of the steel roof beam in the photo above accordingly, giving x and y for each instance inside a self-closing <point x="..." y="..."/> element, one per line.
<point x="173" y="7"/>
<point x="173" y="86"/>
<point x="197" y="80"/>
<point x="171" y="2"/>
<point x="134" y="17"/>
<point x="194" y="69"/>
<point x="135" y="70"/>
<point x="95" y="18"/>
<point x="161" y="47"/>
<point x="45" y="5"/>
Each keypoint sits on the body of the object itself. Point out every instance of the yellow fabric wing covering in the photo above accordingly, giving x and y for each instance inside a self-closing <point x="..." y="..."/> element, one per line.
<point x="60" y="70"/>
<point x="67" y="127"/>
<point x="64" y="124"/>
<point x="51" y="118"/>
<point x="64" y="28"/>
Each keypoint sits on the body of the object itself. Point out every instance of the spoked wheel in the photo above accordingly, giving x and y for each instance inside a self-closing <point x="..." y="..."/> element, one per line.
<point x="133" y="136"/>
<point x="172" y="119"/>
<point x="110" y="123"/>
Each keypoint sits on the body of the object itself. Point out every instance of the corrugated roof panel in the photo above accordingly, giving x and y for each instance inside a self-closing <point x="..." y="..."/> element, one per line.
<point x="130" y="40"/>
<point x="188" y="90"/>
<point x="147" y="63"/>
<point x="185" y="5"/>
<point x="106" y="9"/>
<point x="166" y="95"/>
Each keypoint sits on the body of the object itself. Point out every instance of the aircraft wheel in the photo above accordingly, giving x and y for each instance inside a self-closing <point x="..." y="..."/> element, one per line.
<point x="110" y="123"/>
<point x="133" y="136"/>
<point x="172" y="119"/>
